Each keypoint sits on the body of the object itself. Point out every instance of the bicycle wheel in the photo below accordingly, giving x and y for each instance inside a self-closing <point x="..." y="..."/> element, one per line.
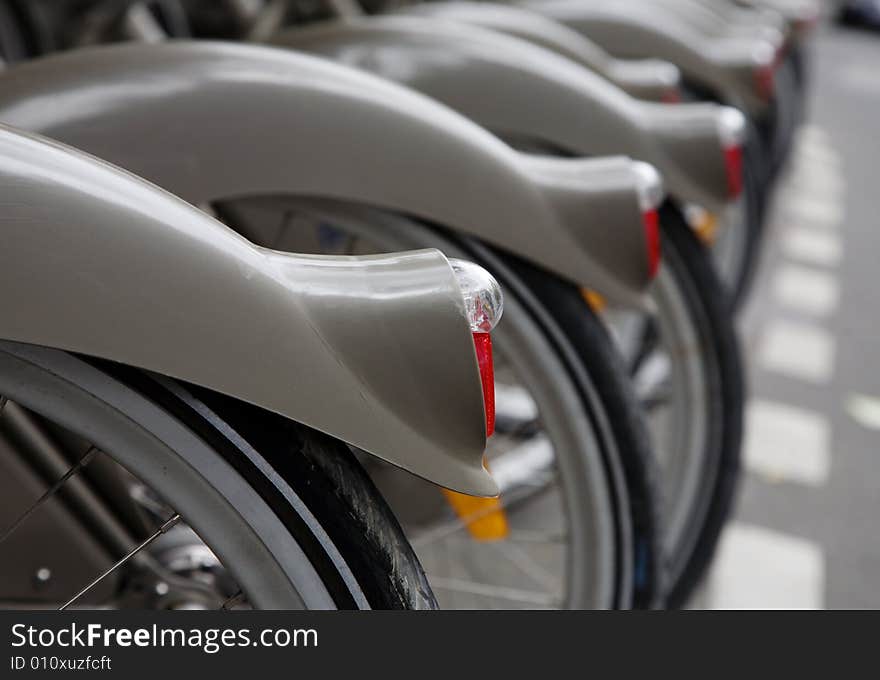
<point x="125" y="489"/>
<point x="575" y="526"/>
<point x="687" y="372"/>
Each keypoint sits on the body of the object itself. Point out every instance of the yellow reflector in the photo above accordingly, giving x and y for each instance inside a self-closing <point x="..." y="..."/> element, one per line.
<point x="705" y="226"/>
<point x="596" y="301"/>
<point x="484" y="517"/>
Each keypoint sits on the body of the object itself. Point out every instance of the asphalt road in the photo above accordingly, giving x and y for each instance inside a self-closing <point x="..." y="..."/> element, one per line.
<point x="806" y="527"/>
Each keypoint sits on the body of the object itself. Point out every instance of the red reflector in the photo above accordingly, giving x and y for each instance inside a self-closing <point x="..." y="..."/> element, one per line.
<point x="765" y="81"/>
<point x="652" y="241"/>
<point x="672" y="95"/>
<point x="483" y="345"/>
<point x="765" y="76"/>
<point x="805" y="25"/>
<point x="733" y="160"/>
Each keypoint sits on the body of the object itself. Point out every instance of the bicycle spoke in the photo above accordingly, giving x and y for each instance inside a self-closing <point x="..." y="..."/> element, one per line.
<point x="528" y="565"/>
<point x="50" y="492"/>
<point x="492" y="591"/>
<point x="538" y="536"/>
<point x="232" y="601"/>
<point x="169" y="523"/>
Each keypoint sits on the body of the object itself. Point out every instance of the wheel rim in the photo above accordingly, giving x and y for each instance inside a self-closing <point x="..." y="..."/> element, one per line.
<point x="228" y="515"/>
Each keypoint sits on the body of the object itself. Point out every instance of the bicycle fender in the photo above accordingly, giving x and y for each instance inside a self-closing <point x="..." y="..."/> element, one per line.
<point x="650" y="79"/>
<point x="213" y="121"/>
<point x="520" y="90"/>
<point x="375" y="351"/>
<point x="634" y="30"/>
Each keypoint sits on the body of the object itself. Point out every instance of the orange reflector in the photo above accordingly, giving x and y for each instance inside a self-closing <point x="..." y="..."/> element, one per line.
<point x="595" y="300"/>
<point x="706" y="227"/>
<point x="484" y="517"/>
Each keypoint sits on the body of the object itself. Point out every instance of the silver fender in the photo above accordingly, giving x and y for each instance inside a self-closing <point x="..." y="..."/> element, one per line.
<point x="373" y="350"/>
<point x="213" y="121"/>
<point x="650" y="79"/>
<point x="519" y="90"/>
<point x="728" y="19"/>
<point x="634" y="30"/>
<point x="801" y="15"/>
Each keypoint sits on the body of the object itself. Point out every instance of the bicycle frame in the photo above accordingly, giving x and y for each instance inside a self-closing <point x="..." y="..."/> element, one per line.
<point x="726" y="19"/>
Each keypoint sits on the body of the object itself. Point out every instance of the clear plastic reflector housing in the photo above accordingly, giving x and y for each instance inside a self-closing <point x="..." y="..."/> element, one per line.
<point x="483" y="300"/>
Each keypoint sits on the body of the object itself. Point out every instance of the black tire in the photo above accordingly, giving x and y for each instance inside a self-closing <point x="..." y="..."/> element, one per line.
<point x="287" y="485"/>
<point x="13" y="41"/>
<point x="787" y="113"/>
<point x="692" y="267"/>
<point x="608" y="375"/>
<point x="801" y="60"/>
<point x="756" y="196"/>
<point x="327" y="477"/>
<point x="172" y="16"/>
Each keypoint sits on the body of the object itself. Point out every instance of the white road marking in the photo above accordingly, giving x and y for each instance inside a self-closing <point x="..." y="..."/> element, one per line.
<point x="797" y="350"/>
<point x="819" y="160"/>
<point x="806" y="290"/>
<point x="864" y="410"/>
<point x="813" y="134"/>
<point x="818" y="212"/>
<point x="822" y="248"/>
<point x="817" y="150"/>
<point x="787" y="444"/>
<point x="757" y="568"/>
<point x="815" y="179"/>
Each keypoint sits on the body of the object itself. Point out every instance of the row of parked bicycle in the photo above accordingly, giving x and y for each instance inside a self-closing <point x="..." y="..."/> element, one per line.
<point x="271" y="382"/>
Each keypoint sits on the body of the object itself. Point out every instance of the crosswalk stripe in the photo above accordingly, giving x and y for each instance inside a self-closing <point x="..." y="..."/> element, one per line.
<point x="756" y="568"/>
<point x="816" y="212"/>
<point x="864" y="410"/>
<point x="798" y="350"/>
<point x="806" y="290"/>
<point x="812" y="246"/>
<point x="787" y="444"/>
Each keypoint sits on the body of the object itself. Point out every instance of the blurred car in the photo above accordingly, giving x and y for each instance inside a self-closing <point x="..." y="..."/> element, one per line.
<point x="860" y="13"/>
